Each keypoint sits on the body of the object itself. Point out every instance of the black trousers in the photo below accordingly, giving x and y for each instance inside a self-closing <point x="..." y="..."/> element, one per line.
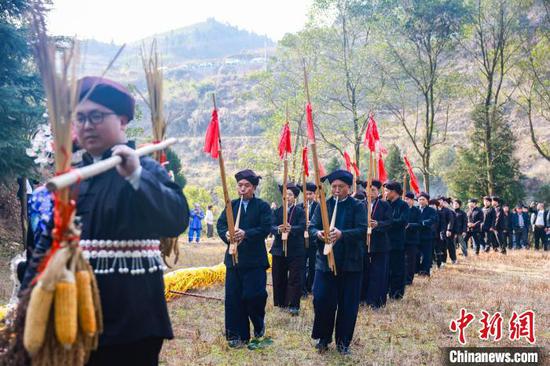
<point x="309" y="265"/>
<point x="411" y="251"/>
<point x="540" y="237"/>
<point x="245" y="299"/>
<point x="476" y="237"/>
<point x="507" y="237"/>
<point x="448" y="246"/>
<point x="374" y="290"/>
<point x="397" y="274"/>
<point x="288" y="276"/>
<point x="141" y="353"/>
<point x="209" y="230"/>
<point x="425" y="249"/>
<point x="440" y="248"/>
<point x="336" y="302"/>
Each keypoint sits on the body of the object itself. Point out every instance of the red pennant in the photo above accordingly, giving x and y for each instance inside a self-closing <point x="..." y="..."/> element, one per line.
<point x="348" y="161"/>
<point x="310" y="129"/>
<point x="322" y="171"/>
<point x="382" y="175"/>
<point x="212" y="139"/>
<point x="356" y="169"/>
<point x="285" y="146"/>
<point x="413" y="182"/>
<point x="305" y="162"/>
<point x="371" y="135"/>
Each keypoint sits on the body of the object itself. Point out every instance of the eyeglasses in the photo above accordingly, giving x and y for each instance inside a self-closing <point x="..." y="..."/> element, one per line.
<point x="95" y="117"/>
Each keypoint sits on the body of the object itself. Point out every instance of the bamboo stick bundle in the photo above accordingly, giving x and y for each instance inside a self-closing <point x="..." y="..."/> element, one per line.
<point x="154" y="78"/>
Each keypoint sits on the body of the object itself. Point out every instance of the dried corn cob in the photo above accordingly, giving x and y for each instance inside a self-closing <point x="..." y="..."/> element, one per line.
<point x="36" y="321"/>
<point x="86" y="309"/>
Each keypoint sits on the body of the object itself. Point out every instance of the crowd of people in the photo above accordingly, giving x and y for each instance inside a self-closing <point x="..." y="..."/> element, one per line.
<point x="375" y="259"/>
<point x="379" y="239"/>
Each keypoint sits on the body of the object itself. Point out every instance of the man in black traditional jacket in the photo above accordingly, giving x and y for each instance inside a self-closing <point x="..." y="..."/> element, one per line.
<point x="412" y="238"/>
<point x="377" y="261"/>
<point x="124" y="212"/>
<point x="460" y="227"/>
<point x="498" y="226"/>
<point x="288" y="268"/>
<point x="428" y="224"/>
<point x="245" y="281"/>
<point x="475" y="220"/>
<point x="487" y="224"/>
<point x="336" y="296"/>
<point x="396" y="234"/>
<point x="448" y="245"/>
<point x="311" y="248"/>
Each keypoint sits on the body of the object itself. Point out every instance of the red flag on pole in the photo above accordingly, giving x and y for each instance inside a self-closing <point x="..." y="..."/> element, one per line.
<point x="382" y="175"/>
<point x="310" y="129"/>
<point x="348" y="161"/>
<point x="412" y="181"/>
<point x="371" y="135"/>
<point x="356" y="169"/>
<point x="305" y="162"/>
<point x="212" y="140"/>
<point x="284" y="142"/>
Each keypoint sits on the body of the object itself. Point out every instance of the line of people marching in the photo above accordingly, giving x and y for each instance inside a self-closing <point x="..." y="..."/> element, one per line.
<point x="409" y="235"/>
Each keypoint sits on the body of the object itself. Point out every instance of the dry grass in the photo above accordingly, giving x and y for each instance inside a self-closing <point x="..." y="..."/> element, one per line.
<point x="407" y="332"/>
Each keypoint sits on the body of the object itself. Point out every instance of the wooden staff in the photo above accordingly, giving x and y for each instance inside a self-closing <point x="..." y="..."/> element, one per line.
<point x="80" y="174"/>
<point x="284" y="234"/>
<point x="320" y="189"/>
<point x="306" y="207"/>
<point x="354" y="182"/>
<point x="369" y="201"/>
<point x="227" y="200"/>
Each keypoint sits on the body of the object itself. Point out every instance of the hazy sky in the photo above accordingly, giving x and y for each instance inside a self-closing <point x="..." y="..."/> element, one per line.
<point x="131" y="20"/>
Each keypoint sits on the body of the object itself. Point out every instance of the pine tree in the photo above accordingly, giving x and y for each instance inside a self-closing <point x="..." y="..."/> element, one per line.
<point x="21" y="93"/>
<point x="395" y="167"/>
<point x="469" y="176"/>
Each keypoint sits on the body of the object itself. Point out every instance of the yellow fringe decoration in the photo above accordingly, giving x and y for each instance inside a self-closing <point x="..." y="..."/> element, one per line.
<point x="194" y="278"/>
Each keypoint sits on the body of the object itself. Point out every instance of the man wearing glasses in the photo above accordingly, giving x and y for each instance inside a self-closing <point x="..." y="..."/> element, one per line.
<point x="124" y="213"/>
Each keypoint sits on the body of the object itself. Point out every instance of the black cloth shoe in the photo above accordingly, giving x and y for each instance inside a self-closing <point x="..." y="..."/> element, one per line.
<point x="235" y="343"/>
<point x="260" y="333"/>
<point x="321" y="345"/>
<point x="343" y="350"/>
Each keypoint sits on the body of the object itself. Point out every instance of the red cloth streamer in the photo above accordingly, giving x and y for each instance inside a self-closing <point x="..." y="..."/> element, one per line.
<point x="322" y="171"/>
<point x="382" y="175"/>
<point x="413" y="182"/>
<point x="348" y="161"/>
<point x="356" y="169"/>
<point x="212" y="139"/>
<point x="285" y="147"/>
<point x="371" y="135"/>
<point x="305" y="162"/>
<point x="310" y="129"/>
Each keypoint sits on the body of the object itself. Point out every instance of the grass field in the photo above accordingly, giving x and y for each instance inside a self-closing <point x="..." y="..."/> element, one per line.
<point x="406" y="332"/>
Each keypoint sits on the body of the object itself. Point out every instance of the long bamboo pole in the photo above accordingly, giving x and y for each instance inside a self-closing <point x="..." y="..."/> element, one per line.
<point x="369" y="201"/>
<point x="321" y="191"/>
<point x="227" y="200"/>
<point x="306" y="206"/>
<point x="284" y="234"/>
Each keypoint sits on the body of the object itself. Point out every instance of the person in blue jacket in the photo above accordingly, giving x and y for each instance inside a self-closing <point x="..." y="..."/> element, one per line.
<point x="195" y="223"/>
